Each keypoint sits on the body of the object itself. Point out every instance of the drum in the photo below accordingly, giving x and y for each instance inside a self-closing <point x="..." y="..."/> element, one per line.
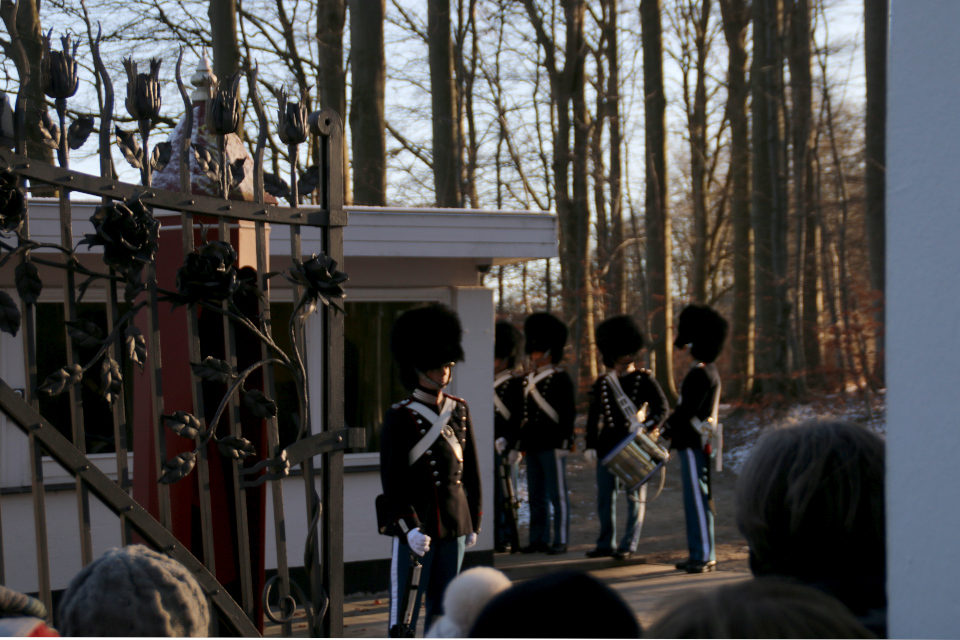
<point x="635" y="459"/>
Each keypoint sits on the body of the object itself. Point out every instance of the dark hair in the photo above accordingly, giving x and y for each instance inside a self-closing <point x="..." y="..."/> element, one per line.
<point x="569" y="604"/>
<point x="759" y="608"/>
<point x="810" y="505"/>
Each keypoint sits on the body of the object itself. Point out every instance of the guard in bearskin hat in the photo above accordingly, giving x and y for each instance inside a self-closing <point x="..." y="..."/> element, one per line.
<point x="546" y="432"/>
<point x="623" y="401"/>
<point x="507" y="412"/>
<point x="428" y="463"/>
<point x="702" y="331"/>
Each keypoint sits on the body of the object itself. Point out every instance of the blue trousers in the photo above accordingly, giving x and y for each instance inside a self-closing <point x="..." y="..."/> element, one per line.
<point x="441" y="564"/>
<point x="696" y="504"/>
<point x="547" y="485"/>
<point x="501" y="525"/>
<point x="607" y="487"/>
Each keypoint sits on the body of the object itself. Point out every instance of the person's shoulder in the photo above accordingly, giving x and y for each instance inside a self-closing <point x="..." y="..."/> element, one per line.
<point x="459" y="401"/>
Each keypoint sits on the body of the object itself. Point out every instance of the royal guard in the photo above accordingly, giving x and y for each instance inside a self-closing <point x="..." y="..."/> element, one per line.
<point x="428" y="466"/>
<point x="625" y="400"/>
<point x="546" y="432"/>
<point x="702" y="331"/>
<point x="507" y="413"/>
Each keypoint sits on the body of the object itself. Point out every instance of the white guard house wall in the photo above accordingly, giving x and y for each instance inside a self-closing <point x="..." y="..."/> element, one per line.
<point x="923" y="319"/>
<point x="391" y="255"/>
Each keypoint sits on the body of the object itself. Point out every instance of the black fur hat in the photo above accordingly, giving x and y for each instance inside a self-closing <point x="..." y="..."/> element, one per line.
<point x="507" y="345"/>
<point x="545" y="332"/>
<point x="618" y="336"/>
<point x="425" y="338"/>
<point x="703" y="329"/>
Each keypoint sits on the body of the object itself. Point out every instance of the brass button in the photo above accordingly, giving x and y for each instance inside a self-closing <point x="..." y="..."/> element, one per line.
<point x="433" y="463"/>
<point x="436" y="473"/>
<point x="437" y="483"/>
<point x="429" y="453"/>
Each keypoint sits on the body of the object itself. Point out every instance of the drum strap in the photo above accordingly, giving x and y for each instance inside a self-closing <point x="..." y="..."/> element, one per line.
<point x="531" y="390"/>
<point x="498" y="404"/>
<point x="634" y="416"/>
<point x="438" y="422"/>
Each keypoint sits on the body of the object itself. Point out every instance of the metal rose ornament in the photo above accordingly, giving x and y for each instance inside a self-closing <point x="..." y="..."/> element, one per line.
<point x="58" y="69"/>
<point x="143" y="90"/>
<point x="128" y="233"/>
<point x="292" y="122"/>
<point x="321" y="279"/>
<point x="208" y="274"/>
<point x="13" y="202"/>
<point x="223" y="109"/>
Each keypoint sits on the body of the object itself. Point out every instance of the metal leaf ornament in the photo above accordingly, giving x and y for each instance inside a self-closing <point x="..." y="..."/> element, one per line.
<point x="321" y="279"/>
<point x="178" y="468"/>
<point x="13" y="203"/>
<point x="143" y="90"/>
<point x="207" y="161"/>
<point x="135" y="346"/>
<point x="223" y="109"/>
<point x="236" y="448"/>
<point x="208" y="274"/>
<point x="292" y="121"/>
<point x="111" y="380"/>
<point x="9" y="314"/>
<point x="49" y="131"/>
<point x="183" y="424"/>
<point x="58" y="69"/>
<point x="275" y="185"/>
<point x="309" y="180"/>
<point x="128" y="144"/>
<point x="213" y="370"/>
<point x="128" y="233"/>
<point x="29" y="284"/>
<point x="259" y="405"/>
<point x="79" y="131"/>
<point x="85" y="333"/>
<point x="57" y="382"/>
<point x="161" y="155"/>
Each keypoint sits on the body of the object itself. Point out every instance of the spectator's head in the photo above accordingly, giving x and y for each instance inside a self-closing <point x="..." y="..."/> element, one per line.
<point x="545" y="333"/>
<point x="560" y="605"/>
<point x="810" y="505"/>
<point x="705" y="330"/>
<point x="761" y="608"/>
<point x="425" y="339"/>
<point x="507" y="343"/>
<point x="617" y="337"/>
<point x="134" y="591"/>
<point x="464" y="599"/>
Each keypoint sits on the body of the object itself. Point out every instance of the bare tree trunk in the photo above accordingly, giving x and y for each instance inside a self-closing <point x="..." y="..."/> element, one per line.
<point x="446" y="155"/>
<point x="768" y="203"/>
<point x="366" y="112"/>
<point x="736" y="20"/>
<point x="801" y="86"/>
<point x="618" y="267"/>
<point x="332" y="81"/>
<point x="697" y="127"/>
<point x="658" y="246"/>
<point x="876" y="14"/>
<point x="223" y="31"/>
<point x="28" y="27"/>
<point x="466" y="74"/>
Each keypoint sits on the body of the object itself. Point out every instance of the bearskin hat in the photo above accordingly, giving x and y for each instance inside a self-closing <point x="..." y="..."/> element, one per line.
<point x="703" y="329"/>
<point x="618" y="336"/>
<point x="545" y="332"/>
<point x="425" y="338"/>
<point x="507" y="345"/>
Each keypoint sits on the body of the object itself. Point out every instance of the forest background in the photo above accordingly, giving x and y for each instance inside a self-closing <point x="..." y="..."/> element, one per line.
<point x="719" y="151"/>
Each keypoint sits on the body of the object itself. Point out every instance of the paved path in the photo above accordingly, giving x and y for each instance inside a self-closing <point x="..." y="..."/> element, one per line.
<point x="645" y="587"/>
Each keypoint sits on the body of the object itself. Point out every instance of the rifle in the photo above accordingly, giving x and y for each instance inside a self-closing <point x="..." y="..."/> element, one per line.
<point x="511" y="505"/>
<point x="404" y="628"/>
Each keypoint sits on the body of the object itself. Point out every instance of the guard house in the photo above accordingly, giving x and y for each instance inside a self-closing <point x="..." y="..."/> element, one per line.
<point x="396" y="258"/>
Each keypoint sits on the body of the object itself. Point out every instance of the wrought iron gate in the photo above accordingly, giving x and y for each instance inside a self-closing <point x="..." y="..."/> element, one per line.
<point x="128" y="233"/>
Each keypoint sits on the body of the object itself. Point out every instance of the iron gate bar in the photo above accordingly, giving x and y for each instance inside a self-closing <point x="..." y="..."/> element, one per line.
<point x="117" y="500"/>
<point x="170" y="200"/>
<point x="269" y="383"/>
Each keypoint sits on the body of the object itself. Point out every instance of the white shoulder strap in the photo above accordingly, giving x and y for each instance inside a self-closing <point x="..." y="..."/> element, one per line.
<point x="531" y="390"/>
<point x="438" y="422"/>
<point x="498" y="404"/>
<point x="634" y="416"/>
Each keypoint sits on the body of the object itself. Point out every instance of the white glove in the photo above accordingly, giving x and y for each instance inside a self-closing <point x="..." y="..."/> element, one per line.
<point x="590" y="455"/>
<point x="471" y="540"/>
<point x="500" y="444"/>
<point x="419" y="542"/>
<point x="513" y="457"/>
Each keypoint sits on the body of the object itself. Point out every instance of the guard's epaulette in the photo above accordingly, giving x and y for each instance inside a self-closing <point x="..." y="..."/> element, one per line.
<point x="701" y="365"/>
<point x="646" y="371"/>
<point x="402" y="403"/>
<point x="455" y="398"/>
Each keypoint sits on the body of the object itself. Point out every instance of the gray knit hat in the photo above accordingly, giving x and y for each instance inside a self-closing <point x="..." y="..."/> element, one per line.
<point x="134" y="592"/>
